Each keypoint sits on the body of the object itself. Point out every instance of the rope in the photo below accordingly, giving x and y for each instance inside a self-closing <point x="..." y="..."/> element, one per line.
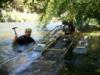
<point x="15" y="57"/>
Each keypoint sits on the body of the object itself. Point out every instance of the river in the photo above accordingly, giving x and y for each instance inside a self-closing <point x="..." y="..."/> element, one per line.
<point x="11" y="61"/>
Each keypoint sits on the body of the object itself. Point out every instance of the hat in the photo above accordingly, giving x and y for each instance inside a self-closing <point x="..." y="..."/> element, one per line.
<point x="28" y="30"/>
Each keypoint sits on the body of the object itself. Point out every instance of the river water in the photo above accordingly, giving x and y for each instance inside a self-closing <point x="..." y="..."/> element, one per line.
<point x="11" y="61"/>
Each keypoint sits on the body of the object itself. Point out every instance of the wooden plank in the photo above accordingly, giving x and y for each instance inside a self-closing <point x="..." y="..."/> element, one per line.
<point x="57" y="49"/>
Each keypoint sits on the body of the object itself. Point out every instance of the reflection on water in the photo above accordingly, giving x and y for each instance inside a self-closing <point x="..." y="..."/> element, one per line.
<point x="10" y="59"/>
<point x="6" y="51"/>
<point x="20" y="61"/>
<point x="13" y="61"/>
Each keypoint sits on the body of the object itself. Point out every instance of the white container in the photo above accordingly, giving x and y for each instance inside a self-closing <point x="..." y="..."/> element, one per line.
<point x="80" y="50"/>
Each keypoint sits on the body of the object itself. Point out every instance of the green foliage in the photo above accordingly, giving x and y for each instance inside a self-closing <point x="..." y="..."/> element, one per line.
<point x="5" y="4"/>
<point x="15" y="16"/>
<point x="78" y="11"/>
<point x="73" y="10"/>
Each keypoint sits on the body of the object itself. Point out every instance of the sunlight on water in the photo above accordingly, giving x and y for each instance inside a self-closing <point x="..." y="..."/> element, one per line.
<point x="16" y="62"/>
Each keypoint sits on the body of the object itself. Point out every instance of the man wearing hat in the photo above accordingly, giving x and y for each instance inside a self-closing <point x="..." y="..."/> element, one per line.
<point x="24" y="39"/>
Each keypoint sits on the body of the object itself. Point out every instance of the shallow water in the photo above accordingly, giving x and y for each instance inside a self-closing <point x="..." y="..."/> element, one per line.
<point x="11" y="60"/>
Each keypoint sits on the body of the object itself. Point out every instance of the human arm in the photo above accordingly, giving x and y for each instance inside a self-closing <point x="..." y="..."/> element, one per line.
<point x="15" y="40"/>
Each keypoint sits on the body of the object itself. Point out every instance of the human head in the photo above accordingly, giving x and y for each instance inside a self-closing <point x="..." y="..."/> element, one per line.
<point x="28" y="32"/>
<point x="64" y="22"/>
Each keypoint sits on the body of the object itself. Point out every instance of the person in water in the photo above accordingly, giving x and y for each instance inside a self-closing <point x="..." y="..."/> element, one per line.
<point x="68" y="27"/>
<point x="24" y="39"/>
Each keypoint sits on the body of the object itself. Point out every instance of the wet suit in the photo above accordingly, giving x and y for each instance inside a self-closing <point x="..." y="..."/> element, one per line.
<point x="23" y="40"/>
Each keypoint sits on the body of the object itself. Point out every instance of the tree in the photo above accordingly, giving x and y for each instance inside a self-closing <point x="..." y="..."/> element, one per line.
<point x="76" y="10"/>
